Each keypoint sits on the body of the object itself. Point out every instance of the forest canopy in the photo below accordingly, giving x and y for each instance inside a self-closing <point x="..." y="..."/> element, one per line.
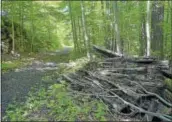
<point x="36" y="26"/>
<point x="86" y="60"/>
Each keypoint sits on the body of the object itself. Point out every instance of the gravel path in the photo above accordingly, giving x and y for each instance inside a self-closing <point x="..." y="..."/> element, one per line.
<point x="16" y="84"/>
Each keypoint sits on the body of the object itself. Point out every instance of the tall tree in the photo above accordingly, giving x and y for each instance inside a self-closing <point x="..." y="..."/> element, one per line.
<point x="148" y="49"/>
<point x="22" y="24"/>
<point x="156" y="27"/>
<point x="87" y="41"/>
<point x="142" y="34"/>
<point x="107" y="26"/>
<point x="13" y="36"/>
<point x="171" y="30"/>
<point x="117" y="31"/>
<point x="72" y="23"/>
<point x="166" y="33"/>
<point x="32" y="27"/>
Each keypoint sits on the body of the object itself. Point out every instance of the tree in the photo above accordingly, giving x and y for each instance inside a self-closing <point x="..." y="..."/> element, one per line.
<point x="13" y="37"/>
<point x="32" y="27"/>
<point x="117" y="31"/>
<point x="142" y="34"/>
<point x="148" y="49"/>
<point x="166" y="22"/>
<point x="73" y="27"/>
<point x="171" y="31"/>
<point x="157" y="19"/>
<point x="86" y="39"/>
<point x="136" y="28"/>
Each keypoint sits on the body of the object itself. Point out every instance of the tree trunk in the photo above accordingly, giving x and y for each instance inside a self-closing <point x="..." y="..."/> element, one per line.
<point x="22" y="25"/>
<point x="117" y="31"/>
<point x="148" y="30"/>
<point x="142" y="36"/>
<point x="76" y="38"/>
<point x="73" y="31"/>
<point x="166" y="32"/>
<point x="79" y="35"/>
<point x="171" y="32"/>
<point x="48" y="26"/>
<point x="104" y="21"/>
<point x="32" y="28"/>
<point x="13" y="38"/>
<point x="157" y="30"/>
<point x="87" y="41"/>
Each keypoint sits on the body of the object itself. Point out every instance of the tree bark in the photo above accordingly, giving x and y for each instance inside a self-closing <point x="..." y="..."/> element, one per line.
<point x="87" y="41"/>
<point x="157" y="30"/>
<point x="22" y="25"/>
<point x="142" y="35"/>
<point x="32" y="28"/>
<point x="166" y="32"/>
<point x="171" y="30"/>
<point x="148" y="29"/>
<point x="72" y="24"/>
<point x="117" y="31"/>
<point x="13" y="36"/>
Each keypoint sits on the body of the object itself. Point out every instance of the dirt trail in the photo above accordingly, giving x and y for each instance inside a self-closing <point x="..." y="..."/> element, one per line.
<point x="17" y="83"/>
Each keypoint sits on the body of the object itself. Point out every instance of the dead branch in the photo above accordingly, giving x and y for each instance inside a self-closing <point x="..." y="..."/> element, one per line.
<point x="106" y="51"/>
<point x="166" y="74"/>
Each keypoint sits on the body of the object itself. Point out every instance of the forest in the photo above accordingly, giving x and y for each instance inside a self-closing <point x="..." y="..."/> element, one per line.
<point x="86" y="60"/>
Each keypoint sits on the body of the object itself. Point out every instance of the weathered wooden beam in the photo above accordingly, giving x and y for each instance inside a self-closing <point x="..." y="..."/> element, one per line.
<point x="106" y="52"/>
<point x="166" y="74"/>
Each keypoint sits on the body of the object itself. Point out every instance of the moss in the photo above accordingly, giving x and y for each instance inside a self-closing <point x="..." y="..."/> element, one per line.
<point x="5" y="66"/>
<point x="13" y="64"/>
<point x="168" y="82"/>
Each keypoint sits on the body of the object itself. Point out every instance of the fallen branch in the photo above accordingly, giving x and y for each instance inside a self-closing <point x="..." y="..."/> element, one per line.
<point x="166" y="74"/>
<point x="158" y="115"/>
<point x="106" y="51"/>
<point x="124" y="70"/>
<point x="154" y="94"/>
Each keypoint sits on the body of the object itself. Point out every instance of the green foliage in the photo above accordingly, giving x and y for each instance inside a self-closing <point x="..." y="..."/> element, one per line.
<point x="56" y="104"/>
<point x="46" y="25"/>
<point x="10" y="65"/>
<point x="168" y="82"/>
<point x="38" y="23"/>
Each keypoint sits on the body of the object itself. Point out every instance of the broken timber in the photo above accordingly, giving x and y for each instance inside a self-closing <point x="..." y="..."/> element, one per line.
<point x="133" y="87"/>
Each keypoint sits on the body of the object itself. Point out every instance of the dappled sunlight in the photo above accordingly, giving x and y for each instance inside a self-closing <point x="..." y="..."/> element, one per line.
<point x="86" y="60"/>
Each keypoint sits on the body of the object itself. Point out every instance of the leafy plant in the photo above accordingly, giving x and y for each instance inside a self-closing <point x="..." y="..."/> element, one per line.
<point x="58" y="104"/>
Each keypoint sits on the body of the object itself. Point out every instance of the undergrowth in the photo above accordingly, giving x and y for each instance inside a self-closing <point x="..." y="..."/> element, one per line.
<point x="56" y="104"/>
<point x="10" y="65"/>
<point x="168" y="82"/>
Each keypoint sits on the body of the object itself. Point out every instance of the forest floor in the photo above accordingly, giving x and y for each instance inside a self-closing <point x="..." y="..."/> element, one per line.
<point x="17" y="84"/>
<point x="33" y="89"/>
<point x="38" y="89"/>
<point x="20" y="76"/>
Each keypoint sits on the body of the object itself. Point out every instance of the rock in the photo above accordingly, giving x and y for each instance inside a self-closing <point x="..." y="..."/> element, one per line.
<point x="51" y="64"/>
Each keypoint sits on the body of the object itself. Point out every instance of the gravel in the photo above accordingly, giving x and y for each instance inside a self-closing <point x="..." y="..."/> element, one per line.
<point x="16" y="84"/>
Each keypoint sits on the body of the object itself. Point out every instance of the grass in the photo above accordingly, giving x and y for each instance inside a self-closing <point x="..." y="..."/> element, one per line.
<point x="57" y="104"/>
<point x="168" y="82"/>
<point x="10" y="65"/>
<point x="58" y="58"/>
<point x="168" y="93"/>
<point x="13" y="64"/>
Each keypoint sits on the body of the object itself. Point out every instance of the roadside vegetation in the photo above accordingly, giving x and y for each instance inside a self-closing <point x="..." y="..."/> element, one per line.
<point x="57" y="104"/>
